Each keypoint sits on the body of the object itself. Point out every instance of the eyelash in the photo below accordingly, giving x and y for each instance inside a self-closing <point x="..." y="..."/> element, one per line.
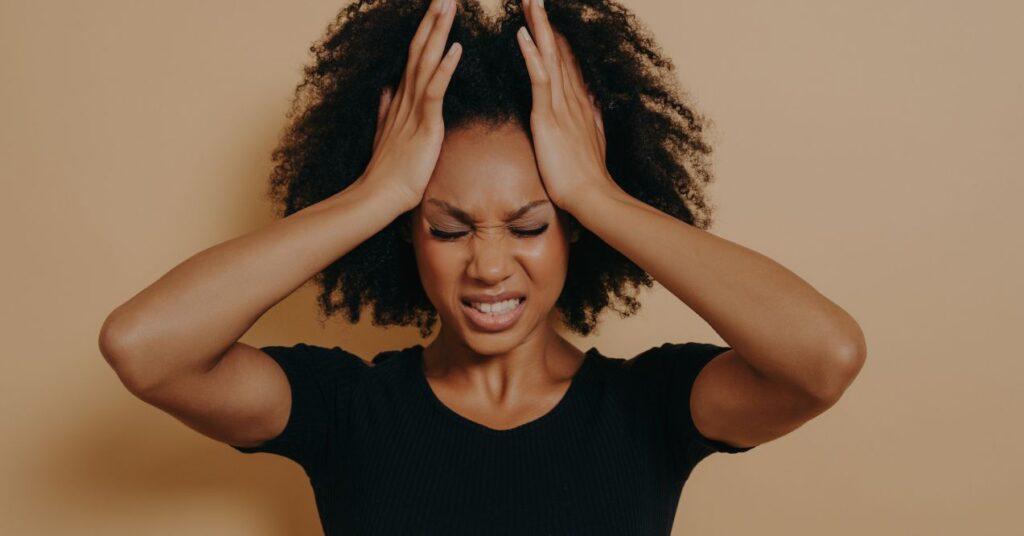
<point x="526" y="233"/>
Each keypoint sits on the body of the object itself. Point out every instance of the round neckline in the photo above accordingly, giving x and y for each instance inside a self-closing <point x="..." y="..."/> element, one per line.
<point x="416" y="363"/>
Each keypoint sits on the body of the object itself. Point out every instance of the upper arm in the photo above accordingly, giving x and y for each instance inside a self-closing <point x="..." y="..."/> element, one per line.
<point x="278" y="399"/>
<point x="709" y="400"/>
<point x="245" y="399"/>
<point x="733" y="403"/>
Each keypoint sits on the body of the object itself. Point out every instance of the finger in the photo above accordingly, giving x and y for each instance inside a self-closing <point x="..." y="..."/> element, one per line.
<point x="395" y="104"/>
<point x="418" y="41"/>
<point x="599" y="121"/>
<point x="576" y="73"/>
<point x="434" y="48"/>
<point x="574" y="95"/>
<point x="544" y="39"/>
<point x="540" y="82"/>
<point x="568" y="94"/>
<point x="385" y="103"/>
<point x="597" y="114"/>
<point x="597" y="110"/>
<point x="435" y="90"/>
<point x="382" y="113"/>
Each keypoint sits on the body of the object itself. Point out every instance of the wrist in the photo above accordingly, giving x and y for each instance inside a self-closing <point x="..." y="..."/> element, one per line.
<point x="593" y="197"/>
<point x="391" y="195"/>
<point x="386" y="200"/>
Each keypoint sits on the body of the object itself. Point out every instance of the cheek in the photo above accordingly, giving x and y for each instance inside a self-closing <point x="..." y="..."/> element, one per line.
<point x="438" y="265"/>
<point x="545" y="259"/>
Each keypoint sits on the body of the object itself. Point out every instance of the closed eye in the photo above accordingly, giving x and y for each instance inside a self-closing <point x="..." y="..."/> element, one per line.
<point x="447" y="235"/>
<point x="530" y="232"/>
<point x="444" y="235"/>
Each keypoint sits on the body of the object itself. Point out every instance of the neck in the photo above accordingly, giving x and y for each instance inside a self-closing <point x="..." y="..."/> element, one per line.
<point x="543" y="357"/>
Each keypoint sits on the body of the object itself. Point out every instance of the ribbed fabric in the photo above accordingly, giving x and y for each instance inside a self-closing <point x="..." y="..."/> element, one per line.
<point x="385" y="456"/>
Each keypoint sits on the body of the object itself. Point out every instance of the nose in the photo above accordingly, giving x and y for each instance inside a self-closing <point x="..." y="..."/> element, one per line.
<point x="491" y="261"/>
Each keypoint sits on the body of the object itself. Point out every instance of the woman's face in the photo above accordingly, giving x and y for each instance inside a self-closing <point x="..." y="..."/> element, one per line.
<point x="486" y="227"/>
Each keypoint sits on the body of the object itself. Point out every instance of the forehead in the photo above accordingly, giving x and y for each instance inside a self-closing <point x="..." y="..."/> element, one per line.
<point x="486" y="171"/>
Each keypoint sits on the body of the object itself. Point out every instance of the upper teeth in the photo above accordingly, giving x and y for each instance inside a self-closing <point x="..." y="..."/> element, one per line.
<point x="496" y="307"/>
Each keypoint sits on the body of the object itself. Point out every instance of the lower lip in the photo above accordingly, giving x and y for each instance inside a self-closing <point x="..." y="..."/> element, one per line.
<point x="489" y="322"/>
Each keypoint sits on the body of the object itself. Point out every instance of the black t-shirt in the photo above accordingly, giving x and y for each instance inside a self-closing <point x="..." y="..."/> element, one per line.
<point x="385" y="456"/>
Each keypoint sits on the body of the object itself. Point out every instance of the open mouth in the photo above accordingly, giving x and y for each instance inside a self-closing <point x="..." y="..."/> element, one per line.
<point x="495" y="316"/>
<point x="496" y="307"/>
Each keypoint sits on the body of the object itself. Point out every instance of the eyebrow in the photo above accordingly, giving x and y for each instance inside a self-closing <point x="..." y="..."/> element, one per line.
<point x="465" y="217"/>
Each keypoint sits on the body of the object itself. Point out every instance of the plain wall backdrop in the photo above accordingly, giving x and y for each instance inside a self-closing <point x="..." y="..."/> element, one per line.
<point x="874" y="148"/>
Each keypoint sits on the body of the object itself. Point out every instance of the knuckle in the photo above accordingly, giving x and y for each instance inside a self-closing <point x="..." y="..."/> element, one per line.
<point x="422" y="70"/>
<point x="433" y="127"/>
<point x="433" y="92"/>
<point x="425" y="130"/>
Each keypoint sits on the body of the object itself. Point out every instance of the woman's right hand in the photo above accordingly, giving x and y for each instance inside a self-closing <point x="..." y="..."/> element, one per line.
<point x="410" y="126"/>
<point x="186" y="359"/>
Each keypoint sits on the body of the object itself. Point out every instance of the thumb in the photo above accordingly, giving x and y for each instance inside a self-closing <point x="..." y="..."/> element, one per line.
<point x="382" y="113"/>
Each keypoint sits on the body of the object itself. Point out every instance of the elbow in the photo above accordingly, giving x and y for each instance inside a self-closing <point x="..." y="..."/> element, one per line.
<point x="114" y="338"/>
<point x="842" y="365"/>
<point x="114" y="347"/>
<point x="111" y="339"/>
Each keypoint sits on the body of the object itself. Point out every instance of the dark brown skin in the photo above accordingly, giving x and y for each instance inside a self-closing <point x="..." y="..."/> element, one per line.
<point x="507" y="378"/>
<point x="793" y="353"/>
<point x="177" y="349"/>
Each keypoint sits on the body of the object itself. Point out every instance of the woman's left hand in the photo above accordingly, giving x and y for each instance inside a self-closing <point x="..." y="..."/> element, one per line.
<point x="568" y="132"/>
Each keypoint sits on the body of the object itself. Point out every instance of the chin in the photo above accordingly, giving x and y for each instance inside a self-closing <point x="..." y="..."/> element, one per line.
<point x="486" y="342"/>
<point x="490" y="343"/>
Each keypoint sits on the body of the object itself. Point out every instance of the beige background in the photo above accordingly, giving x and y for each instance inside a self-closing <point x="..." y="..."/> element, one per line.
<point x="874" y="148"/>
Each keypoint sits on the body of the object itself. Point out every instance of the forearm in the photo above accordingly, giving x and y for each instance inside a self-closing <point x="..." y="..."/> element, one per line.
<point x="188" y="318"/>
<point x="775" y="320"/>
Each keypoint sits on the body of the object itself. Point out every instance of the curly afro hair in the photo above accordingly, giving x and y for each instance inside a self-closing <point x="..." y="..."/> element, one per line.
<point x="656" y="150"/>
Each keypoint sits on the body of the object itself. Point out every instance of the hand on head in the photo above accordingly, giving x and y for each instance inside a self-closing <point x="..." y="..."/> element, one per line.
<point x="565" y="120"/>
<point x="410" y="126"/>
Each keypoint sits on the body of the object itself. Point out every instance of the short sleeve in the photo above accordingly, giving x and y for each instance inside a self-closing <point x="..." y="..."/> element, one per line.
<point x="321" y="382"/>
<point x="671" y="370"/>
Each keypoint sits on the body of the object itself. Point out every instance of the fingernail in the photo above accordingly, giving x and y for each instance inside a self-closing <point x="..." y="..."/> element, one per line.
<point x="525" y="32"/>
<point x="447" y="5"/>
<point x="541" y="2"/>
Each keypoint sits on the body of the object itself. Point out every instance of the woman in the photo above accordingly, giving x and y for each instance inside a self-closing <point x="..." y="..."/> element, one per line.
<point x="503" y="190"/>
